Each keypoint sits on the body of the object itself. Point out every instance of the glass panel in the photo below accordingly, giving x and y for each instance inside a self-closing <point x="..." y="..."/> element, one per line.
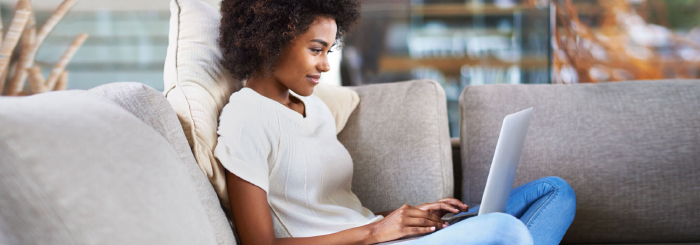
<point x="456" y="43"/>
<point x="460" y="43"/>
<point x="123" y="46"/>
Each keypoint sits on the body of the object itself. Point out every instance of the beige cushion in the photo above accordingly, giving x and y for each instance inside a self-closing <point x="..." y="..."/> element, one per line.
<point x="195" y="84"/>
<point x="198" y="86"/>
<point x="340" y="100"/>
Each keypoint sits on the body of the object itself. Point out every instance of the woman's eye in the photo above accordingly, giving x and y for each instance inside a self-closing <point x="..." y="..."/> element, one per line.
<point x="317" y="50"/>
<point x="329" y="51"/>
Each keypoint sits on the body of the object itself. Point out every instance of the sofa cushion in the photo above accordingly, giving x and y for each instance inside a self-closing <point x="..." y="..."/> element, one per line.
<point x="78" y="169"/>
<point x="152" y="108"/>
<point x="400" y="145"/>
<point x="630" y="150"/>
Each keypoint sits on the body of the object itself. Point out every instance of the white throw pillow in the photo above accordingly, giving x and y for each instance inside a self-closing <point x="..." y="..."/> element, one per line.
<point x="198" y="86"/>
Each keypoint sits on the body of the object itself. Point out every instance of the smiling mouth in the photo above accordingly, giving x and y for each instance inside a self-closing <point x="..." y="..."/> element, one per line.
<point x="313" y="79"/>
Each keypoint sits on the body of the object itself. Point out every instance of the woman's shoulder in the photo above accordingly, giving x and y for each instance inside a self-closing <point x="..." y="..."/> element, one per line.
<point x="244" y="107"/>
<point x="243" y="96"/>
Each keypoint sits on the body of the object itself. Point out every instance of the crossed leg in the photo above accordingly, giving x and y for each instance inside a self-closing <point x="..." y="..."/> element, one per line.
<point x="543" y="208"/>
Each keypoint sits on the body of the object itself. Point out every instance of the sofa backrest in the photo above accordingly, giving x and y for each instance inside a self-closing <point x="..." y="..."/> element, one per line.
<point x="76" y="168"/>
<point x="630" y="150"/>
<point x="400" y="145"/>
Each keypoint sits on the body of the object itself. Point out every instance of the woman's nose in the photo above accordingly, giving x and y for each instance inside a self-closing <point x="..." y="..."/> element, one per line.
<point x="324" y="66"/>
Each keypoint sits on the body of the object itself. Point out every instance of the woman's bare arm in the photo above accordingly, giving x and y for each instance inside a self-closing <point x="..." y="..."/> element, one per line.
<point x="385" y="213"/>
<point x="251" y="214"/>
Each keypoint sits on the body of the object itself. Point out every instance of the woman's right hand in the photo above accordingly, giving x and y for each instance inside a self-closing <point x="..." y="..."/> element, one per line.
<point x="403" y="222"/>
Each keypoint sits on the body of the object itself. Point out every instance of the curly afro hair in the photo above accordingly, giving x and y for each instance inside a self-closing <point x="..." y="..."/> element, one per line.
<point x="253" y="33"/>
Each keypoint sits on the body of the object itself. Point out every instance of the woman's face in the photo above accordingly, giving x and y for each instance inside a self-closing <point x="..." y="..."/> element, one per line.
<point x="300" y="64"/>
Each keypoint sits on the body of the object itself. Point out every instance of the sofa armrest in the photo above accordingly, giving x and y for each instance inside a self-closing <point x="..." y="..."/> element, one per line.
<point x="151" y="107"/>
<point x="399" y="140"/>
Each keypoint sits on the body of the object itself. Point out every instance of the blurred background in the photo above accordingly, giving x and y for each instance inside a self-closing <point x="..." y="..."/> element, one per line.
<point x="460" y="43"/>
<point x="457" y="43"/>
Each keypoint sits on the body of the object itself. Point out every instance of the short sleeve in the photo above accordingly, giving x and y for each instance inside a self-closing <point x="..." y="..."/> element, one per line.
<point x="245" y="146"/>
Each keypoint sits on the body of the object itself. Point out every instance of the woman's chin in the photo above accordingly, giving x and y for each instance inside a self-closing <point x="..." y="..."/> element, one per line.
<point x="311" y="91"/>
<point x="305" y="91"/>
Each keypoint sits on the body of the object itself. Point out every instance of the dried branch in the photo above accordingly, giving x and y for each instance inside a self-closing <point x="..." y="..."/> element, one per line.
<point x="65" y="58"/>
<point x="22" y="14"/>
<point x="3" y="78"/>
<point x="31" y="42"/>
<point x="36" y="80"/>
<point x="62" y="82"/>
<point x="26" y="58"/>
<point x="53" y="20"/>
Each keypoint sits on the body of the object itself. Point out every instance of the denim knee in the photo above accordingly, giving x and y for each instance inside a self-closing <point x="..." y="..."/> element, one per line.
<point x="566" y="192"/>
<point x="557" y="182"/>
<point x="562" y="186"/>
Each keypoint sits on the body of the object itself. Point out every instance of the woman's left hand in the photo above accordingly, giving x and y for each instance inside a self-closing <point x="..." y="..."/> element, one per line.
<point x="444" y="206"/>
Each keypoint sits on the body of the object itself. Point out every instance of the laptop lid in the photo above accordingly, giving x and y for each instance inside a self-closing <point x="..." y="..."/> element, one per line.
<point x="505" y="162"/>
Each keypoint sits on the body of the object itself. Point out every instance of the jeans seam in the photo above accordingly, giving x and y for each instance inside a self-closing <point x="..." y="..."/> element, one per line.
<point x="537" y="213"/>
<point x="523" y="188"/>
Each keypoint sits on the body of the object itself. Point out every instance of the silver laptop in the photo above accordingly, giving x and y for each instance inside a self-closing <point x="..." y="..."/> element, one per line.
<point x="503" y="167"/>
<point x="505" y="162"/>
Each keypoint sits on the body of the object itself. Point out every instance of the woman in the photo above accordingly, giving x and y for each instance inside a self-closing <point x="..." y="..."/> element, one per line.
<point x="289" y="177"/>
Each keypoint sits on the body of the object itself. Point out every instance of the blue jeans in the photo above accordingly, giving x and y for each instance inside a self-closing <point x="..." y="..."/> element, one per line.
<point x="538" y="212"/>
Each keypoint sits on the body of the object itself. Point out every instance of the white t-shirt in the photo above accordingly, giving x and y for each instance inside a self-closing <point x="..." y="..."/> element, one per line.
<point x="298" y="161"/>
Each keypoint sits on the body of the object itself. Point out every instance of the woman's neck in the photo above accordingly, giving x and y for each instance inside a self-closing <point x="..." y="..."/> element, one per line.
<point x="270" y="88"/>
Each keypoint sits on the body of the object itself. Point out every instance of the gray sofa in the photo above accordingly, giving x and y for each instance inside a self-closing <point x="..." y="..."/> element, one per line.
<point x="111" y="165"/>
<point x="630" y="150"/>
